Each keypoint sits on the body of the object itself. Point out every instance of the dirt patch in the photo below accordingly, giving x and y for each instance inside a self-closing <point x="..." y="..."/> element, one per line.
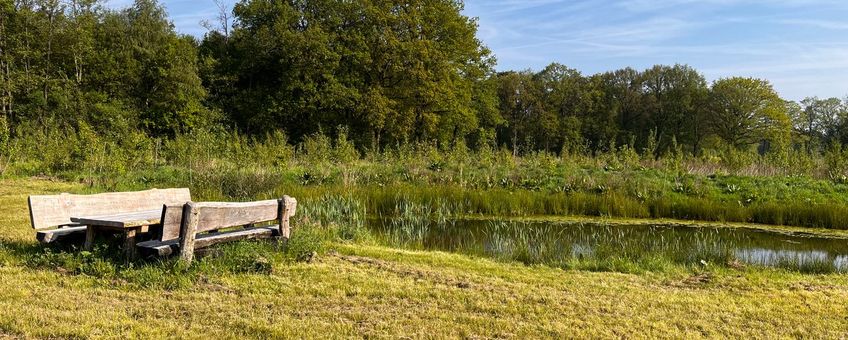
<point x="811" y="287"/>
<point x="693" y="281"/>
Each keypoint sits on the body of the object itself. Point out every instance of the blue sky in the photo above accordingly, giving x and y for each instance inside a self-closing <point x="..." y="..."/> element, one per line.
<point x="801" y="46"/>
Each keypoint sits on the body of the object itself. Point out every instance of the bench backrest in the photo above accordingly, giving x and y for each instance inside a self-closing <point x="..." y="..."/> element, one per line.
<point x="47" y="211"/>
<point x="221" y="215"/>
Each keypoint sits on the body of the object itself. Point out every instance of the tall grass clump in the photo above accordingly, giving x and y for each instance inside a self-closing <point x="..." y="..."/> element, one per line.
<point x="343" y="216"/>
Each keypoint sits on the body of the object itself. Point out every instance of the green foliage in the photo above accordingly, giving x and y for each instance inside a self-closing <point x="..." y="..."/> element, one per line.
<point x="305" y="242"/>
<point x="377" y="76"/>
<point x="836" y="162"/>
<point x="317" y="148"/>
<point x="5" y="147"/>
<point x="344" y="151"/>
<point x="392" y="75"/>
<point x="746" y="111"/>
<point x="274" y="150"/>
<point x="117" y="71"/>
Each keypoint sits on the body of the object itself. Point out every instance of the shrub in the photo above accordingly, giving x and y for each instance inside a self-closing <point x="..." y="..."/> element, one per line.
<point x="836" y="163"/>
<point x="273" y="151"/>
<point x="344" y="151"/>
<point x="317" y="148"/>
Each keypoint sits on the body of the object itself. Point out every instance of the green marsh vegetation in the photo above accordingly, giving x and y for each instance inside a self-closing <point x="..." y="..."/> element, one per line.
<point x="459" y="181"/>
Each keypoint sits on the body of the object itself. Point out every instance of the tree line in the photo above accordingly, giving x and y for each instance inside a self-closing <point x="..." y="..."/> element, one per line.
<point x="384" y="73"/>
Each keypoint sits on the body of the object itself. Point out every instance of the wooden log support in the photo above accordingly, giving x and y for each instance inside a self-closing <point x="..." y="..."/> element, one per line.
<point x="169" y="247"/>
<point x="188" y="231"/>
<point x="129" y="245"/>
<point x="89" y="238"/>
<point x="287" y="207"/>
<point x="50" y="236"/>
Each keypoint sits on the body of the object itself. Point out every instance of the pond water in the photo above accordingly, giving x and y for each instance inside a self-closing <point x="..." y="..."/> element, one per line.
<point x="560" y="243"/>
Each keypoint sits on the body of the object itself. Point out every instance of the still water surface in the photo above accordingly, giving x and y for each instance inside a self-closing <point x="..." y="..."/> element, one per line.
<point x="561" y="242"/>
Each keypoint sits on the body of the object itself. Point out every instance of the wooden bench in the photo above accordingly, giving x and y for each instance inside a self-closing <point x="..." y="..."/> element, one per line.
<point x="51" y="214"/>
<point x="197" y="225"/>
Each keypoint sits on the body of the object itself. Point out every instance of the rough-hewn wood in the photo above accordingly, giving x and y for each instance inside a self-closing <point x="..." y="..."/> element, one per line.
<point x="172" y="218"/>
<point x="129" y="244"/>
<point x="50" y="236"/>
<point x="89" y="238"/>
<point x="188" y="231"/>
<point x="218" y="215"/>
<point x="189" y="221"/>
<point x="169" y="247"/>
<point x="123" y="220"/>
<point x="47" y="211"/>
<point x="156" y="248"/>
<point x="286" y="209"/>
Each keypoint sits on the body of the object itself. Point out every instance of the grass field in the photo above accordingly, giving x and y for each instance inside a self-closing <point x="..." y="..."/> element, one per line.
<point x="354" y="290"/>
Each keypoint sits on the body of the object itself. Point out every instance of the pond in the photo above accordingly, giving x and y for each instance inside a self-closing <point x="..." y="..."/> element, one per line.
<point x="567" y="244"/>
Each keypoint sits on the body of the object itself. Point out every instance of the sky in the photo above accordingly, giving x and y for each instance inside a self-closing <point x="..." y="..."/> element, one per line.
<point x="801" y="46"/>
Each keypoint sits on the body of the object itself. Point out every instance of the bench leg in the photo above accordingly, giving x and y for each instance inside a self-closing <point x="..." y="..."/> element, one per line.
<point x="129" y="245"/>
<point x="89" y="238"/>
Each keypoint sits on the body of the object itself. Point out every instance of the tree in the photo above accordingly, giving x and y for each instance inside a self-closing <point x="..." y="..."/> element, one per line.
<point x="798" y="120"/>
<point x="564" y="93"/>
<point x="747" y="111"/>
<point x="521" y="105"/>
<point x="674" y="95"/>
<point x="301" y="65"/>
<point x="161" y="69"/>
<point x="823" y="121"/>
<point x="599" y="124"/>
<point x="628" y="94"/>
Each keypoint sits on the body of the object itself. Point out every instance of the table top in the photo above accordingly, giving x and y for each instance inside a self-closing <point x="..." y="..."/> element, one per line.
<point x="122" y="220"/>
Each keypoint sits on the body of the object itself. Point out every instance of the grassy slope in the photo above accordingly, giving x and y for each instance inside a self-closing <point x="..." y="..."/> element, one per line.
<point x="379" y="291"/>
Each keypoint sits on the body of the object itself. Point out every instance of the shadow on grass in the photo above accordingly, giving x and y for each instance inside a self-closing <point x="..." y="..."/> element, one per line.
<point x="107" y="265"/>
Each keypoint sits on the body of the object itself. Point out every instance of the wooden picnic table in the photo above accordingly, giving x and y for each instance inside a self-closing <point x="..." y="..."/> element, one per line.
<point x="130" y="224"/>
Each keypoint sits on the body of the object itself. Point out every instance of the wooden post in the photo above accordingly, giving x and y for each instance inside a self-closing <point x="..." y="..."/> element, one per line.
<point x="129" y="245"/>
<point x="285" y="211"/>
<point x="188" y="231"/>
<point x="89" y="238"/>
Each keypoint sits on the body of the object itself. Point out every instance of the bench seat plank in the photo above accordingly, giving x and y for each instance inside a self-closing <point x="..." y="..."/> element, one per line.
<point x="123" y="220"/>
<point x="168" y="247"/>
<point x="49" y="236"/>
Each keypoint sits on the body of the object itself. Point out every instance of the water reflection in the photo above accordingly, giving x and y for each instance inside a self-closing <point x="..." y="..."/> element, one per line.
<point x="559" y="242"/>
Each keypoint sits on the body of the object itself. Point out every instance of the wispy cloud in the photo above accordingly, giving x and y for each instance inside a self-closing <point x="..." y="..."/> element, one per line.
<point x="824" y="24"/>
<point x="790" y="42"/>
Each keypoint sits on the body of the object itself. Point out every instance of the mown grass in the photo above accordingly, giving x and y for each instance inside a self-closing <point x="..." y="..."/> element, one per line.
<point x="352" y="289"/>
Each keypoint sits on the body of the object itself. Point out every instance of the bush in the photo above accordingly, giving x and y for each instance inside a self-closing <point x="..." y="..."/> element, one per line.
<point x="273" y="151"/>
<point x="836" y="163"/>
<point x="317" y="148"/>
